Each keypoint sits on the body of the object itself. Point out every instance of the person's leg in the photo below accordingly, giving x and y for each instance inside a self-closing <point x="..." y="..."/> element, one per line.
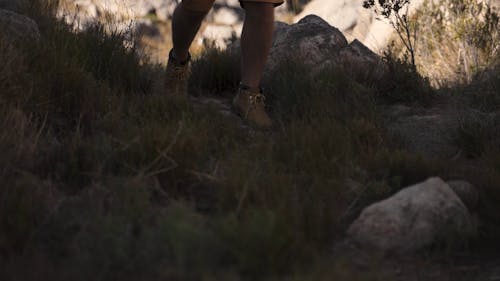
<point x="256" y="41"/>
<point x="186" y="22"/>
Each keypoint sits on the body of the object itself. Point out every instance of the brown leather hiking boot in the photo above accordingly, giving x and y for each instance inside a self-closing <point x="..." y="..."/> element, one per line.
<point x="251" y="107"/>
<point x="176" y="76"/>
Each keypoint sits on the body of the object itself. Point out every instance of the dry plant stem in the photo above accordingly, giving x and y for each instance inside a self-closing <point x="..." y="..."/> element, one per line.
<point x="402" y="26"/>
<point x="163" y="154"/>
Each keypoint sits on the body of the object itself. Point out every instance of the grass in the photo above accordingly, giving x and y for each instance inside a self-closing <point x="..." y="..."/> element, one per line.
<point x="456" y="39"/>
<point x="103" y="176"/>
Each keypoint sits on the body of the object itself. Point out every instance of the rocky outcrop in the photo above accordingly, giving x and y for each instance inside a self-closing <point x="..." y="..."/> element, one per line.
<point x="317" y="45"/>
<point x="414" y="218"/>
<point x="349" y="16"/>
<point x="18" y="27"/>
<point x="83" y="12"/>
<point x="224" y="21"/>
<point x="354" y="21"/>
<point x="311" y="40"/>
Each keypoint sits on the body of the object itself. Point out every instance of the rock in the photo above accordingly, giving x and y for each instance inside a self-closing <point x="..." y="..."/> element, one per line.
<point x="318" y="45"/>
<point x="312" y="41"/>
<point x="81" y="13"/>
<point x="342" y="14"/>
<point x="378" y="35"/>
<point x="226" y="16"/>
<point x="414" y="218"/>
<point x="466" y="192"/>
<point x="224" y="20"/>
<point x="165" y="11"/>
<point x="495" y="5"/>
<point x="227" y="3"/>
<point x="354" y="21"/>
<point x="12" y="5"/>
<point x="359" y="50"/>
<point x="16" y="26"/>
<point x="280" y="11"/>
<point x="348" y="16"/>
<point x="218" y="35"/>
<point x="425" y="131"/>
<point x="362" y="61"/>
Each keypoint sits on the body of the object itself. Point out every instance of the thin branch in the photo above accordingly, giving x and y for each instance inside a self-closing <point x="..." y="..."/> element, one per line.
<point x="164" y="152"/>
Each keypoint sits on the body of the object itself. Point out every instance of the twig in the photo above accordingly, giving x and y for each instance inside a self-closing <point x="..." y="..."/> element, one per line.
<point x="242" y="199"/>
<point x="205" y="176"/>
<point x="163" y="154"/>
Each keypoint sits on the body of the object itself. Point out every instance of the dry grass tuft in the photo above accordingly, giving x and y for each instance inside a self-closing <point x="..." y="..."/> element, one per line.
<point x="456" y="40"/>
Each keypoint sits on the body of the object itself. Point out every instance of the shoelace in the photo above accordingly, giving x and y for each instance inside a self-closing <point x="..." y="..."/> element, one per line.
<point x="177" y="68"/>
<point x="257" y="98"/>
<point x="177" y="73"/>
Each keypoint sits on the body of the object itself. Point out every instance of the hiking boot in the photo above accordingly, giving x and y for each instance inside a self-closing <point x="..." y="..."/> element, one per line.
<point x="251" y="107"/>
<point x="176" y="76"/>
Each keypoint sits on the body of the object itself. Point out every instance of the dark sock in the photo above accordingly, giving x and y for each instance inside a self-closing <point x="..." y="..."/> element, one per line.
<point x="171" y="57"/>
<point x="251" y="89"/>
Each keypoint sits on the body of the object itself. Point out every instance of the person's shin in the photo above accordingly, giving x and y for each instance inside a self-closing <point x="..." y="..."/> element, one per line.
<point x="186" y="22"/>
<point x="256" y="41"/>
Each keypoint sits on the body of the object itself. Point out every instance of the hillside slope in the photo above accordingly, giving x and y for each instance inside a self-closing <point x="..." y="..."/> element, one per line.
<point x="105" y="176"/>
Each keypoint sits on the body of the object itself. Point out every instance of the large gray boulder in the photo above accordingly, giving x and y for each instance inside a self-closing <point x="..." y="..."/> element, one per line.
<point x="352" y="19"/>
<point x="316" y="44"/>
<point x="348" y="15"/>
<point x="414" y="218"/>
<point x="18" y="27"/>
<point x="311" y="40"/>
<point x="355" y="21"/>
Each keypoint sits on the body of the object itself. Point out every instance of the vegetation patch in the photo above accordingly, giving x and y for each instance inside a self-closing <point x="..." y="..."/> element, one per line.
<point x="104" y="175"/>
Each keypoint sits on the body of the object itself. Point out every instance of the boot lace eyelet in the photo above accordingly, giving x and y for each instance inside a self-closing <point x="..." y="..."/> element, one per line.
<point x="257" y="98"/>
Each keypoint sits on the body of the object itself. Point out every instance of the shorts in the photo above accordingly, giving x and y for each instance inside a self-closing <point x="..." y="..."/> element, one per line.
<point x="206" y="5"/>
